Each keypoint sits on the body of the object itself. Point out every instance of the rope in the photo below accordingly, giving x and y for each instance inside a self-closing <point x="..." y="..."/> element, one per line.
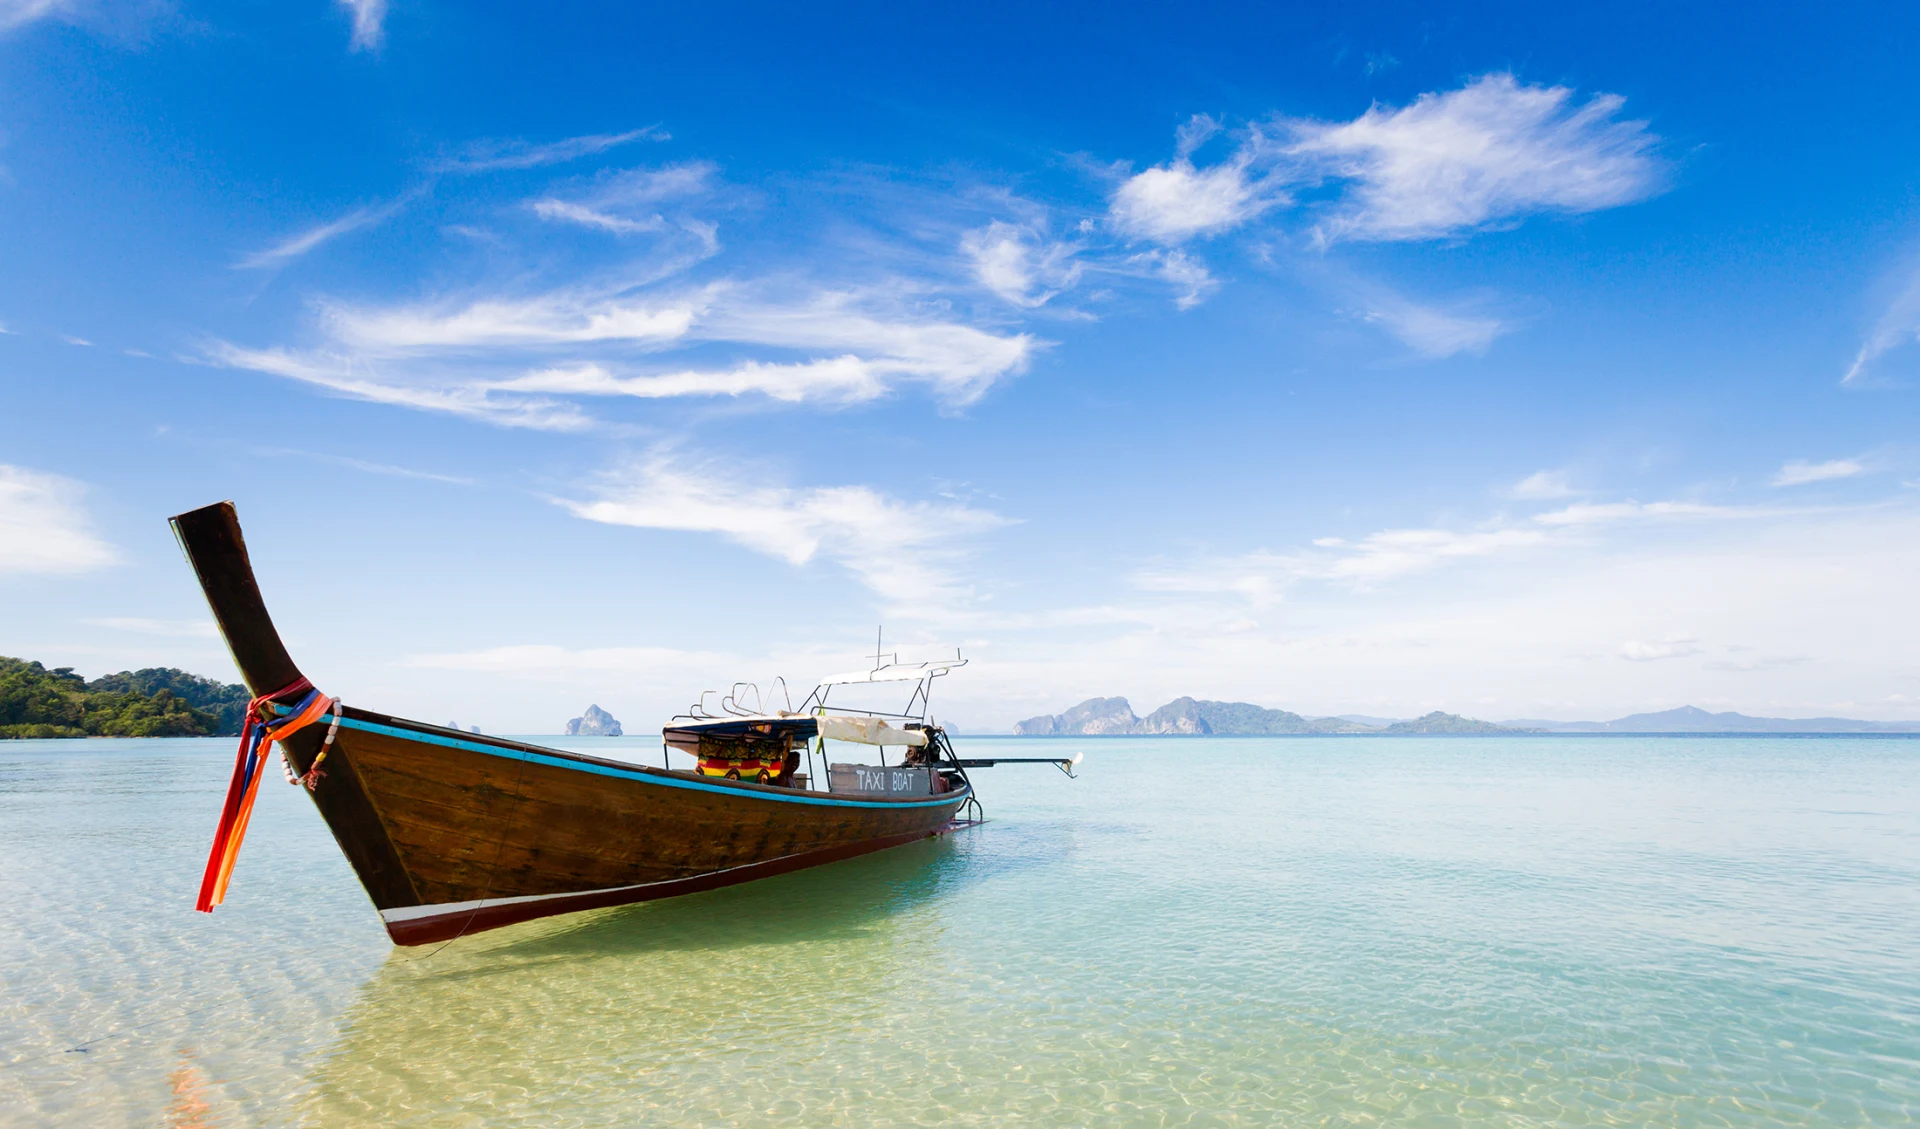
<point x="312" y="778"/>
<point x="256" y="733"/>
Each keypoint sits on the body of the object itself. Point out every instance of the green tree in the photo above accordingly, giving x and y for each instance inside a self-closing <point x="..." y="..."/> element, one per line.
<point x="37" y="702"/>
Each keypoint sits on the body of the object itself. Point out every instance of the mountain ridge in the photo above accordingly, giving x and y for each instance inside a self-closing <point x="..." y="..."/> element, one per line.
<point x="1194" y="717"/>
<point x="1692" y="719"/>
<point x="1187" y="716"/>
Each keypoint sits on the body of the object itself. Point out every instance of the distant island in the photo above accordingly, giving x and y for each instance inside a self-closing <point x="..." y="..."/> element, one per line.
<point x="596" y="722"/>
<point x="1193" y="717"/>
<point x="154" y="702"/>
<point x="1691" y="719"/>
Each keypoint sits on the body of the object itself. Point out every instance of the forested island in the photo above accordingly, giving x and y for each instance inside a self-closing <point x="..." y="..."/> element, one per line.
<point x="155" y="702"/>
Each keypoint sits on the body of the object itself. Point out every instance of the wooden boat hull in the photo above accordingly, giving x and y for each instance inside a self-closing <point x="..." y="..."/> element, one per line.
<point x="452" y="833"/>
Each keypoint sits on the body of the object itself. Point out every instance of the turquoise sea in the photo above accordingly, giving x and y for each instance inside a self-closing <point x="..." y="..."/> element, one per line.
<point x="1298" y="932"/>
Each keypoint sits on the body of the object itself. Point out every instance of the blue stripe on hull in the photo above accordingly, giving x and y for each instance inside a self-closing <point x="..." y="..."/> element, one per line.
<point x="645" y="776"/>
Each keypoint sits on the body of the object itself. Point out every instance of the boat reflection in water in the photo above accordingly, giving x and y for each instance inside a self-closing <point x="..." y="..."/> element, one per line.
<point x="674" y="1008"/>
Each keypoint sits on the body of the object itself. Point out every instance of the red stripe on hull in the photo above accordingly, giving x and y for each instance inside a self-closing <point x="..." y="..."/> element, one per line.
<point x="428" y="930"/>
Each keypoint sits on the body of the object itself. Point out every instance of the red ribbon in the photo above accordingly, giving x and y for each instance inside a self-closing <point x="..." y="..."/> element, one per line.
<point x="255" y="734"/>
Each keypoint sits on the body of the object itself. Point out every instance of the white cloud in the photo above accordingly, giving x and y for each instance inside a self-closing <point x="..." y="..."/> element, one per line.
<point x="654" y="186"/>
<point x="1675" y="648"/>
<point x="1820" y="604"/>
<point x="44" y="527"/>
<point x="1452" y="162"/>
<point x="556" y="318"/>
<point x="19" y="13"/>
<point x="496" y="156"/>
<point x="905" y="552"/>
<point x="1543" y="485"/>
<point x="564" y="211"/>
<point x="299" y="244"/>
<point x="1476" y="157"/>
<point x="506" y="360"/>
<point x="960" y="363"/>
<point x="1897" y="330"/>
<point x="607" y="207"/>
<point x="369" y="22"/>
<point x="1602" y="513"/>
<point x="1189" y="277"/>
<point x="1019" y="264"/>
<point x="1262" y="578"/>
<point x="1430" y="331"/>
<point x="359" y="379"/>
<point x="1177" y="201"/>
<point x="1800" y="472"/>
<point x="79" y="341"/>
<point x="1394" y="553"/>
<point x="846" y="379"/>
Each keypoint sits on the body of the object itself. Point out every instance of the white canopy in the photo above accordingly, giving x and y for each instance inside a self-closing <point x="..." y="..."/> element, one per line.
<point x="867" y="730"/>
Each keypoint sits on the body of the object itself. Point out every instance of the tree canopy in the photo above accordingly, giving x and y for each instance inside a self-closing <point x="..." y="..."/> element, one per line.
<point x="155" y="702"/>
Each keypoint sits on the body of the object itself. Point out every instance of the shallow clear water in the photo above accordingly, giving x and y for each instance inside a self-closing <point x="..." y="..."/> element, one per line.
<point x="1296" y="932"/>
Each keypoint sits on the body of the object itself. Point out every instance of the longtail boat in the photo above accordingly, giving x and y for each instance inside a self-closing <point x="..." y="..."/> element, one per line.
<point x="452" y="832"/>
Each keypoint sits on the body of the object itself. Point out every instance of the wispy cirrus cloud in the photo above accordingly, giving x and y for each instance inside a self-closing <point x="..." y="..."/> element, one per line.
<point x="479" y="157"/>
<point x="129" y="21"/>
<point x="907" y="553"/>
<point x="44" y="527"/>
<point x="299" y="243"/>
<point x="513" y="153"/>
<point x="1800" y="472"/>
<point x="1896" y="332"/>
<point x="526" y="356"/>
<point x="1582" y="514"/>
<point x="1365" y="563"/>
<point x="1019" y="263"/>
<point x="1262" y="578"/>
<point x="379" y="382"/>
<point x="369" y="23"/>
<point x="1192" y="282"/>
<point x="524" y="362"/>
<point x="1543" y="485"/>
<point x="1449" y="163"/>
<point x="1430" y="330"/>
<point x="566" y="211"/>
<point x="623" y="204"/>
<point x="553" y="318"/>
<point x="1480" y="156"/>
<point x="19" y="13"/>
<point x="1678" y="647"/>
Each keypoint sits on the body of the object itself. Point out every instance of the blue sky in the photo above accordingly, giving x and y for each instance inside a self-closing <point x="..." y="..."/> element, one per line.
<point x="1513" y="362"/>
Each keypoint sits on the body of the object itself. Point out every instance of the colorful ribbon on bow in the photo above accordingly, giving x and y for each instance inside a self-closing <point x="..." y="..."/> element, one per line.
<point x="256" y="735"/>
